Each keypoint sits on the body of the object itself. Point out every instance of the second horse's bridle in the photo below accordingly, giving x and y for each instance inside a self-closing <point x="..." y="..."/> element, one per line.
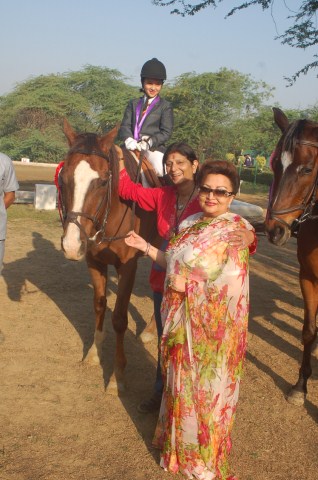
<point x="307" y="204"/>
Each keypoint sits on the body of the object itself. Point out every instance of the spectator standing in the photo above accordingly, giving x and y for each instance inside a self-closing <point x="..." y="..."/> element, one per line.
<point x="8" y="186"/>
<point x="204" y="313"/>
<point x="173" y="204"/>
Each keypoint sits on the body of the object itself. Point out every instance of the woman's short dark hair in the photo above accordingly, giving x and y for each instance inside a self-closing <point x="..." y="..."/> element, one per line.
<point x="219" y="167"/>
<point x="182" y="148"/>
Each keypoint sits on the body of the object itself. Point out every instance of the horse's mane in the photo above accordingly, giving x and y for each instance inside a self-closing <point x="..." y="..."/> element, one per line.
<point x="87" y="141"/>
<point x="130" y="164"/>
<point x="129" y="161"/>
<point x="114" y="167"/>
<point x="294" y="133"/>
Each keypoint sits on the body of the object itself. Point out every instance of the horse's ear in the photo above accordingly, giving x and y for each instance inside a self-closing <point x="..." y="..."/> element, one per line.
<point x="69" y="132"/>
<point x="107" y="140"/>
<point x="280" y="119"/>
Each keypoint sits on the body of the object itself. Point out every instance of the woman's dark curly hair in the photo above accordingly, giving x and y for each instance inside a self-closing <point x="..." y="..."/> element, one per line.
<point x="219" y="167"/>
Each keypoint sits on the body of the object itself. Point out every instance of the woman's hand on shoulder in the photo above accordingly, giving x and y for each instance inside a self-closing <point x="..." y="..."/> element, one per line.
<point x="241" y="237"/>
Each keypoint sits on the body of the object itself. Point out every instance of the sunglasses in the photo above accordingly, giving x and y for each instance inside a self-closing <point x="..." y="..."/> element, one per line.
<point x="217" y="192"/>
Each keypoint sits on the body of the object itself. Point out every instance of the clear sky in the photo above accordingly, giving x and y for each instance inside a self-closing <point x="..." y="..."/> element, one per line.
<point x="39" y="37"/>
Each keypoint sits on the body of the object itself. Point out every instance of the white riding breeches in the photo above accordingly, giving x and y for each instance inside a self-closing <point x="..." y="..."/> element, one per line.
<point x="155" y="158"/>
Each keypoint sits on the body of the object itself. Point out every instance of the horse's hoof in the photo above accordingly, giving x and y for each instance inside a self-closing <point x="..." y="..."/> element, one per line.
<point x="92" y="357"/>
<point x="92" y="360"/>
<point x="111" y="388"/>
<point x="296" y="398"/>
<point x="147" y="337"/>
<point x="121" y="388"/>
<point x="115" y="388"/>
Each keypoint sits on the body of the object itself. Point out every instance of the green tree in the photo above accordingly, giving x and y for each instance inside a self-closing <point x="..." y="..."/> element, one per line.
<point x="302" y="33"/>
<point x="206" y="107"/>
<point x="258" y="132"/>
<point x="215" y="113"/>
<point x="311" y="112"/>
<point x="260" y="161"/>
<point x="230" y="157"/>
<point x="106" y="94"/>
<point x="31" y="116"/>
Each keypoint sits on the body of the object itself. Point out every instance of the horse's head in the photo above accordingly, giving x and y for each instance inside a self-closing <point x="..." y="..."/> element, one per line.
<point x="295" y="167"/>
<point x="88" y="179"/>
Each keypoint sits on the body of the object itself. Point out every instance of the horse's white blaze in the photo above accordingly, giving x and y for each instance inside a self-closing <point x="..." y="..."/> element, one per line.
<point x="83" y="175"/>
<point x="286" y="160"/>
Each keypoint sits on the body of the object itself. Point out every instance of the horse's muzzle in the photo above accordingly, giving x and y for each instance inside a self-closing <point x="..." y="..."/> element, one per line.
<point x="277" y="233"/>
<point x="76" y="252"/>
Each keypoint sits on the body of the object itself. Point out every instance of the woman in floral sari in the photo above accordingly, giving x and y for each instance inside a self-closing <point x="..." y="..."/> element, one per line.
<point x="205" y="313"/>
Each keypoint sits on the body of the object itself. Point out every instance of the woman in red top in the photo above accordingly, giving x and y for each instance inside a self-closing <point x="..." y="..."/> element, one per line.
<point x="173" y="204"/>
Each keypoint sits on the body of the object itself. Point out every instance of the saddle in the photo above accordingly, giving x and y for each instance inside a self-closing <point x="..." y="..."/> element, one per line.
<point x="132" y="159"/>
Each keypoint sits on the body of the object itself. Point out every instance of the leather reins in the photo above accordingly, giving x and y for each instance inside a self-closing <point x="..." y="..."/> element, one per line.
<point x="307" y="204"/>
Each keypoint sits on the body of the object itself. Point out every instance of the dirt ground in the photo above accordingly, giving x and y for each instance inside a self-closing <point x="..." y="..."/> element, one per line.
<point x="56" y="420"/>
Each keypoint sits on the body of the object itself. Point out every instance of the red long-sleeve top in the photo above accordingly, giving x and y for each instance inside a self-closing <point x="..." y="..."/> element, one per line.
<point x="163" y="200"/>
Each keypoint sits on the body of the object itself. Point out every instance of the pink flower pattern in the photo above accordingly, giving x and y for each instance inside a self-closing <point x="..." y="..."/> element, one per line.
<point x="203" y="348"/>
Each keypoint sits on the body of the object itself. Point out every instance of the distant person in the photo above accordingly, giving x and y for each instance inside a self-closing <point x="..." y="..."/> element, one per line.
<point x="8" y="186"/>
<point x="248" y="162"/>
<point x="148" y="121"/>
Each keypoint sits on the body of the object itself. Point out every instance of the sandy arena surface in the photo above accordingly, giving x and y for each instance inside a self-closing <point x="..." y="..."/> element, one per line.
<point x="57" y="421"/>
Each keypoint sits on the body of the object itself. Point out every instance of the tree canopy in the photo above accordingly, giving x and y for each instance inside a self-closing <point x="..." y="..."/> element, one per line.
<point x="31" y="118"/>
<point x="217" y="113"/>
<point x="209" y="106"/>
<point x="302" y="33"/>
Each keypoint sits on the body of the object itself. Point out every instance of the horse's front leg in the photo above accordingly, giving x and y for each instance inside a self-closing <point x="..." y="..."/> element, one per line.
<point x="126" y="276"/>
<point x="309" y="288"/>
<point x="99" y="280"/>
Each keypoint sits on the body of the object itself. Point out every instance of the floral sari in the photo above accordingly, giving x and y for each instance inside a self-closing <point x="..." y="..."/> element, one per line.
<point x="205" y="313"/>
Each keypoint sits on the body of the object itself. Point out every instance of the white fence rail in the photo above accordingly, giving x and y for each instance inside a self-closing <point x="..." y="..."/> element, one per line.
<point x="44" y="197"/>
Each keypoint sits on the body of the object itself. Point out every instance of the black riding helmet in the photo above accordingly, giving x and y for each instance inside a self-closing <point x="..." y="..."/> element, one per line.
<point x="153" y="69"/>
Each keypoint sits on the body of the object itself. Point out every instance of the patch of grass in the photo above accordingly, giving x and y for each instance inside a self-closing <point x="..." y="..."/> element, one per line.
<point x="28" y="212"/>
<point x="258" y="189"/>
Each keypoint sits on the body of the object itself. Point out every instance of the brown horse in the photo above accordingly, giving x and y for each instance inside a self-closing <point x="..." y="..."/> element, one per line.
<point x="95" y="223"/>
<point x="293" y="210"/>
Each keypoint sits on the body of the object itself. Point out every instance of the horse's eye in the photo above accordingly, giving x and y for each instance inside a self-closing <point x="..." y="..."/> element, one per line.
<point x="305" y="171"/>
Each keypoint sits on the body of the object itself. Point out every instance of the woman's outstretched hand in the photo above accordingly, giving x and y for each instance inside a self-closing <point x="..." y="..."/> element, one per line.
<point x="136" y="241"/>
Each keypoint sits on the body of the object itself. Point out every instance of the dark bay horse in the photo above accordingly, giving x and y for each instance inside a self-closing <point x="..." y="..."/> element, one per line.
<point x="293" y="209"/>
<point x="95" y="222"/>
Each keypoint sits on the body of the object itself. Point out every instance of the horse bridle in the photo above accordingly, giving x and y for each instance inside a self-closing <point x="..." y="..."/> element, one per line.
<point x="307" y="204"/>
<point x="72" y="216"/>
